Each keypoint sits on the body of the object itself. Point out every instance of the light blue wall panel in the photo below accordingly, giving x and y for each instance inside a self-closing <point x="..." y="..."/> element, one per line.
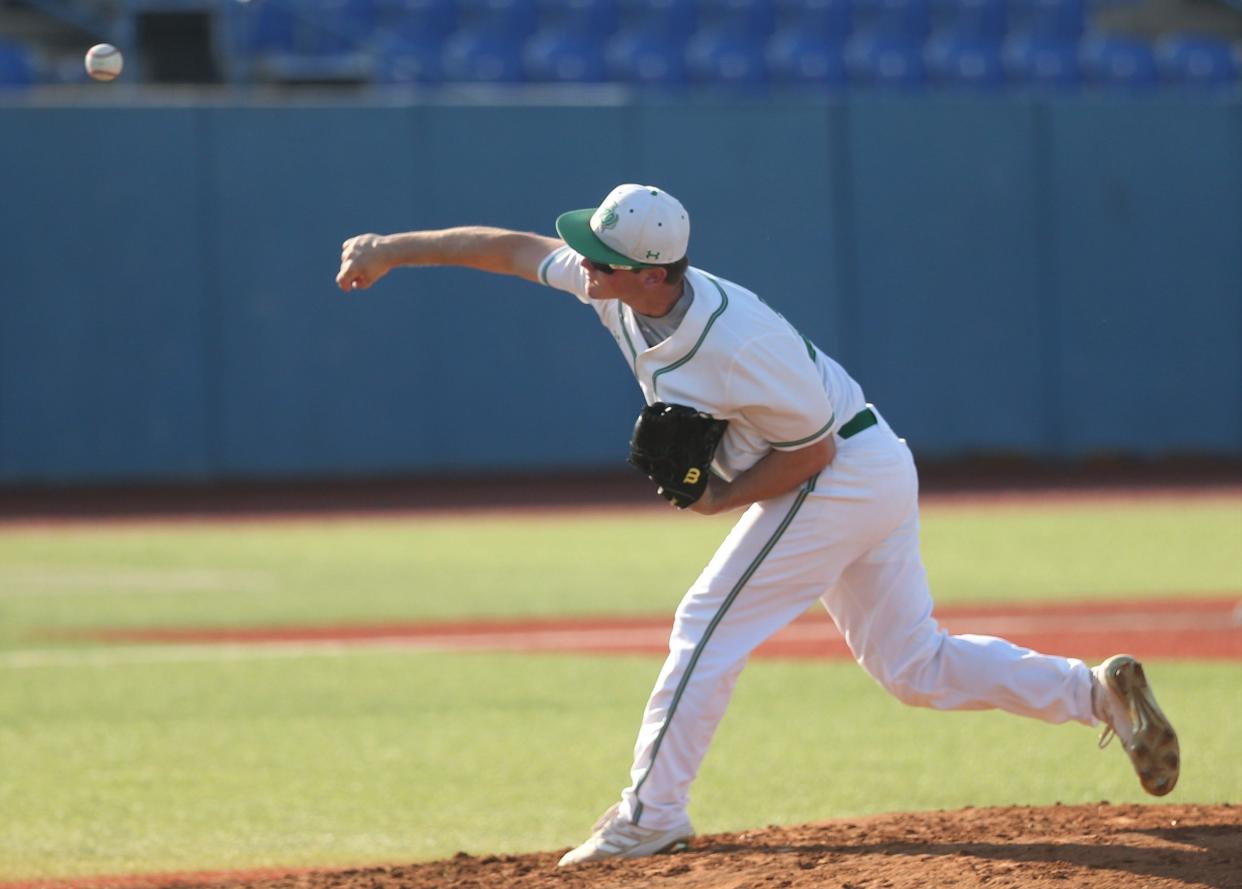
<point x="310" y="380"/>
<point x="101" y="318"/>
<point x="528" y="377"/>
<point x="757" y="181"/>
<point x="1147" y="226"/>
<point x="948" y="289"/>
<point x="1051" y="278"/>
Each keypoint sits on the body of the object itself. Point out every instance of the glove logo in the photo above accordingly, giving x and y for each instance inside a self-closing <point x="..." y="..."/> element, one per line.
<point x="673" y="445"/>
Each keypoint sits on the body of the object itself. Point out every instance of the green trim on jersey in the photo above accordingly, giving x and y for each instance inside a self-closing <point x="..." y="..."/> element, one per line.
<point x="811" y="437"/>
<point x="724" y="304"/>
<point x="626" y="330"/>
<point x="544" y="266"/>
<point x="807" y="487"/>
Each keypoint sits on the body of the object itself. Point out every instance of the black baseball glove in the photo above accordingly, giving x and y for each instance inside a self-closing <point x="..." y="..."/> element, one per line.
<point x="673" y="445"/>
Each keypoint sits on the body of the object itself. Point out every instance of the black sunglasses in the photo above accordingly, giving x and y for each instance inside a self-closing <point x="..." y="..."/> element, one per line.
<point x="607" y="268"/>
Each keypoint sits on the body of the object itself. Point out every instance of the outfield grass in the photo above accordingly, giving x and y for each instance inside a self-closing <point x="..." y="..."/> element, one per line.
<point x="115" y="763"/>
<point x="393" y="757"/>
<point x="431" y="567"/>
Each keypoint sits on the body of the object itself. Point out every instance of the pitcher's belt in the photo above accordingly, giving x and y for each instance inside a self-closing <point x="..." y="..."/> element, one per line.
<point x="864" y="419"/>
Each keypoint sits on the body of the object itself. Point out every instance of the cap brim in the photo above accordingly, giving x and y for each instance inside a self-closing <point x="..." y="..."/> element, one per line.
<point x="574" y="228"/>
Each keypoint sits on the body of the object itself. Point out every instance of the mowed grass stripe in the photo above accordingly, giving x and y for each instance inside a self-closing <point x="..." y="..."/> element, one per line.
<point x="437" y="568"/>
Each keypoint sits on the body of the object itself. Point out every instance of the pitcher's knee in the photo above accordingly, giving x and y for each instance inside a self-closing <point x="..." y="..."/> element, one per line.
<point x="913" y="682"/>
<point x="906" y="688"/>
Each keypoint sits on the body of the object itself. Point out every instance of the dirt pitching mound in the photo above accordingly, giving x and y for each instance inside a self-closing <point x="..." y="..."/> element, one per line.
<point x="1077" y="847"/>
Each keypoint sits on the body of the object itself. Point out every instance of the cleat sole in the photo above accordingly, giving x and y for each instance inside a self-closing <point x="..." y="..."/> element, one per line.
<point x="1153" y="749"/>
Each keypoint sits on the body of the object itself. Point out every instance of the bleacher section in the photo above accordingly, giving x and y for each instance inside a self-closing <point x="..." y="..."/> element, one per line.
<point x="742" y="45"/>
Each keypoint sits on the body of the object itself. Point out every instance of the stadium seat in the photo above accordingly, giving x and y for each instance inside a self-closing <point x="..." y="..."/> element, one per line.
<point x="515" y="19"/>
<point x="890" y="61"/>
<point x="597" y="19"/>
<point x="727" y="58"/>
<point x="1065" y="19"/>
<point x="484" y="55"/>
<point x="1198" y="61"/>
<point x="563" y="56"/>
<point x="907" y="19"/>
<point x="971" y="19"/>
<point x="830" y="20"/>
<point x="1041" y="63"/>
<point x="1117" y="62"/>
<point x="645" y="57"/>
<point x="953" y="61"/>
<point x="280" y="28"/>
<point x="748" y="18"/>
<point x="804" y="58"/>
<point x="262" y="27"/>
<point x="673" y="19"/>
<point x="407" y="61"/>
<point x="332" y="27"/>
<point x="18" y="66"/>
<point x="417" y="21"/>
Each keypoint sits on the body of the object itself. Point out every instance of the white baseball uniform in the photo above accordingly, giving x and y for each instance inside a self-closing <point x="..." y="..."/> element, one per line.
<point x="848" y="537"/>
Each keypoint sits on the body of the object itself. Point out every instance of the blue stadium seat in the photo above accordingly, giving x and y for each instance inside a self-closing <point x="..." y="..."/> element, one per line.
<point x="831" y="20"/>
<point x="594" y="18"/>
<point x="1117" y="62"/>
<point x="516" y="19"/>
<point x="890" y="61"/>
<point x="279" y="27"/>
<point x="674" y="19"/>
<point x="262" y="27"/>
<point x="18" y="66"/>
<point x="725" y="58"/>
<point x="805" y="58"/>
<point x="1040" y="62"/>
<point x="976" y="19"/>
<point x="647" y="57"/>
<point x="909" y="19"/>
<point x="417" y="21"/>
<point x="337" y="26"/>
<point x="964" y="62"/>
<point x="413" y="60"/>
<point x="483" y="55"/>
<point x="563" y="56"/>
<point x="1065" y="19"/>
<point x="1198" y="61"/>
<point x="748" y="18"/>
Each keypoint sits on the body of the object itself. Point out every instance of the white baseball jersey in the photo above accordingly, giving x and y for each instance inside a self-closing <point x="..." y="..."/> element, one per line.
<point x="732" y="357"/>
<point x="847" y="537"/>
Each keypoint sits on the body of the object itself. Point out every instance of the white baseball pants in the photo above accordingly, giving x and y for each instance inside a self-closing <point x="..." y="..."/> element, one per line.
<point x="849" y="539"/>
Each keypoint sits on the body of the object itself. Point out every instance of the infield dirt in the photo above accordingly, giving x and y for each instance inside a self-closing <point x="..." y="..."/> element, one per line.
<point x="1076" y="847"/>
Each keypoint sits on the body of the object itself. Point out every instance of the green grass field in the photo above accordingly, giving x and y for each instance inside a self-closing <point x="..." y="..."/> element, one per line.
<point x="230" y="758"/>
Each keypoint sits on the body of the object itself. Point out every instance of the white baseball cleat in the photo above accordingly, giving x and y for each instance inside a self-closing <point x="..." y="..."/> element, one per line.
<point x="1123" y="700"/>
<point x="615" y="837"/>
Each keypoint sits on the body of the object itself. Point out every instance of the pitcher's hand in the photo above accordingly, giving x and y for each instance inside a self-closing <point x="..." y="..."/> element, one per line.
<point x="364" y="260"/>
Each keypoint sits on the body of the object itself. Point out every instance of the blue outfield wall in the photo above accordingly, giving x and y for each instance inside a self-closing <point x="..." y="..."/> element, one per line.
<point x="1054" y="278"/>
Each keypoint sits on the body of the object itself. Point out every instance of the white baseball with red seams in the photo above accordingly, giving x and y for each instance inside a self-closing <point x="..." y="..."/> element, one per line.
<point x="847" y="538"/>
<point x="104" y="61"/>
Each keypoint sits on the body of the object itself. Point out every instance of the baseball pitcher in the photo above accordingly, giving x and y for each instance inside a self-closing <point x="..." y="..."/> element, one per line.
<point x="745" y="413"/>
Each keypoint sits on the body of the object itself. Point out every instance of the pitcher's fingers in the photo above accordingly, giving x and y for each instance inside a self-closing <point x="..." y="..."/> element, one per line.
<point x="349" y="279"/>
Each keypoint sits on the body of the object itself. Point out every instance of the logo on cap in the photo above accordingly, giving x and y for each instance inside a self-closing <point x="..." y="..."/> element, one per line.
<point x="606" y="217"/>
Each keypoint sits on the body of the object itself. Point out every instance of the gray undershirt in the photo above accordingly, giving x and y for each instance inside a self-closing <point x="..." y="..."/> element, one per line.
<point x="657" y="330"/>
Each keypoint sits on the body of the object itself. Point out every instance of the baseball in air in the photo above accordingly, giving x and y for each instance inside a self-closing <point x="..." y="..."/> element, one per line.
<point x="104" y="61"/>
